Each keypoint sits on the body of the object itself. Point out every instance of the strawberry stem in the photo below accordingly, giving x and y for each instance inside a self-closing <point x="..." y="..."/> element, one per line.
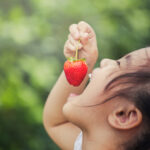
<point x="76" y="56"/>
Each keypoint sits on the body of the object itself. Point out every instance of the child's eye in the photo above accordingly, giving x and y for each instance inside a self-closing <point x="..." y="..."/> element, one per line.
<point x="118" y="62"/>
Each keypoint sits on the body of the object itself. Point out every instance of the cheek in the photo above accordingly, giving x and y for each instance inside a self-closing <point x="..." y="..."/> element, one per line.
<point x="93" y="92"/>
<point x="98" y="82"/>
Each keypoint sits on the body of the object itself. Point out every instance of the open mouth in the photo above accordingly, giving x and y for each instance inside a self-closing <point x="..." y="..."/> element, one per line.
<point x="71" y="95"/>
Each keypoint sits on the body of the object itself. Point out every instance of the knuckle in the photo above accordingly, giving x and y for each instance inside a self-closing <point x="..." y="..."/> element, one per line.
<point x="66" y="43"/>
<point x="71" y="27"/>
<point x="81" y="23"/>
<point x="65" y="48"/>
<point x="69" y="37"/>
<point x="83" y="26"/>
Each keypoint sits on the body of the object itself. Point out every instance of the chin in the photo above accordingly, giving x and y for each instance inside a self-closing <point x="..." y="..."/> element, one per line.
<point x="72" y="114"/>
<point x="68" y="111"/>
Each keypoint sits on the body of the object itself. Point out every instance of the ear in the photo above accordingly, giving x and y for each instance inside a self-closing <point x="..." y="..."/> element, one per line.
<point x="125" y="117"/>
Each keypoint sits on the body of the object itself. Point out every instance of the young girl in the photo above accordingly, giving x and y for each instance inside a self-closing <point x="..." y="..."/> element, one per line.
<point x="112" y="112"/>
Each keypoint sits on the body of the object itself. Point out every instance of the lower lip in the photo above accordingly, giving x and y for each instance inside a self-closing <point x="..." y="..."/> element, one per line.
<point x="71" y="96"/>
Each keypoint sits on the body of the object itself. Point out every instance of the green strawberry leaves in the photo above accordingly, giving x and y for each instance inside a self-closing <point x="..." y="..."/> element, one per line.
<point x="72" y="59"/>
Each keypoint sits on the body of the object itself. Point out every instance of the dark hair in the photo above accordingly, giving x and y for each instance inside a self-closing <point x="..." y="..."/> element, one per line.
<point x="138" y="92"/>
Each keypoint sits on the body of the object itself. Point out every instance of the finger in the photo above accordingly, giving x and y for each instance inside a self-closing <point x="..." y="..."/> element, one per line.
<point x="68" y="53"/>
<point x="84" y="37"/>
<point x="84" y="27"/>
<point x="74" y="31"/>
<point x="69" y="46"/>
<point x="76" y="44"/>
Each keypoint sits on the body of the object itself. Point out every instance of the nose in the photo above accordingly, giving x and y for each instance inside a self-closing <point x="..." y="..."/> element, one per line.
<point x="106" y="62"/>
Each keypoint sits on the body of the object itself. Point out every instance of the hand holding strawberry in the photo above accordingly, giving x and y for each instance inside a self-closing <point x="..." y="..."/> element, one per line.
<point x="87" y="45"/>
<point x="75" y="69"/>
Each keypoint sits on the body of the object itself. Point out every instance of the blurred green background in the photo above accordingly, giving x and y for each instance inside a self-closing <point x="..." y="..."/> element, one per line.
<point x="32" y="36"/>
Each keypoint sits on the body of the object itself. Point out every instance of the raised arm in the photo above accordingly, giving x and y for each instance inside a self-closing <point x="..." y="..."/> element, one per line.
<point x="59" y="129"/>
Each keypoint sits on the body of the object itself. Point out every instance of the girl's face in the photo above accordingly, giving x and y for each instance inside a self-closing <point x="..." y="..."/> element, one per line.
<point x="75" y="108"/>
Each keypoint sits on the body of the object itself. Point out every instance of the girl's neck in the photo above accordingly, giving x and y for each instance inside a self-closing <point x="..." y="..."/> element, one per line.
<point x="99" y="141"/>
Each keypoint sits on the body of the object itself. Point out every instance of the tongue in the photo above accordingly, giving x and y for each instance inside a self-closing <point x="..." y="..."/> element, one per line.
<point x="72" y="95"/>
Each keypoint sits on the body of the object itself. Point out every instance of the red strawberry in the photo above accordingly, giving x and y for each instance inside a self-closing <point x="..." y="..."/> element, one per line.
<point x="75" y="70"/>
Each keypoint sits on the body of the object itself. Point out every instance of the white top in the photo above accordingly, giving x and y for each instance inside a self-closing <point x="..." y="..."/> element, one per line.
<point x="78" y="142"/>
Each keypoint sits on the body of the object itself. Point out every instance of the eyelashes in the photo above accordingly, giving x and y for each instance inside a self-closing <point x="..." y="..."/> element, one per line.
<point x="118" y="62"/>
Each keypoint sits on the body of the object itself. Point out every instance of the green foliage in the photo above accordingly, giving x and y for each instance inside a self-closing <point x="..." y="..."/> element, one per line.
<point x="32" y="36"/>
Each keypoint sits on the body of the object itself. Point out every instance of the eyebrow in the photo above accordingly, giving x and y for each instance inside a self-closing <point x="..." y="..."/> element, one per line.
<point x="146" y="52"/>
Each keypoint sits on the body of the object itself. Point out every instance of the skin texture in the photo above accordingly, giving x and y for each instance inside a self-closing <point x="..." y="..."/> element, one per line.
<point x="105" y="126"/>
